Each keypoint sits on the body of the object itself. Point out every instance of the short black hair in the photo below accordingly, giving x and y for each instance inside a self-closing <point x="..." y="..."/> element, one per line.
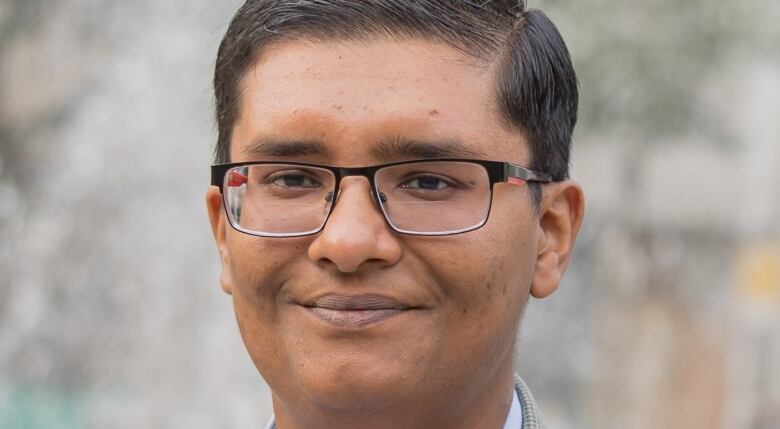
<point x="536" y="87"/>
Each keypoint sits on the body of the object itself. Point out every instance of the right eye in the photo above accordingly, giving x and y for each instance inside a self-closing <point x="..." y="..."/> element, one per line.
<point x="293" y="180"/>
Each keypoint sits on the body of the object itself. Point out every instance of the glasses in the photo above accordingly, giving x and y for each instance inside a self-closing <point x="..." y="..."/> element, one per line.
<point x="421" y="197"/>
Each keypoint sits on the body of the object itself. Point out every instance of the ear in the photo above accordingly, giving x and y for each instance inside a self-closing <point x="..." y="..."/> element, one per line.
<point x="560" y="217"/>
<point x="219" y="229"/>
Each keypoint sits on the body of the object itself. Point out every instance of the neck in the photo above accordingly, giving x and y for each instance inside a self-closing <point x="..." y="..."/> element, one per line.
<point x="480" y="404"/>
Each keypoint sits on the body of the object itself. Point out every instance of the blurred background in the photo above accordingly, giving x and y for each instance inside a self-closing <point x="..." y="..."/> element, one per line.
<point x="110" y="309"/>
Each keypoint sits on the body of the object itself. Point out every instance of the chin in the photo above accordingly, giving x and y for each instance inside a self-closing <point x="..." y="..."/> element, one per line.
<point x="355" y="384"/>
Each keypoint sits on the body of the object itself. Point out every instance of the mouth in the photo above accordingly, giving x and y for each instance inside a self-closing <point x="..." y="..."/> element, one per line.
<point x="352" y="312"/>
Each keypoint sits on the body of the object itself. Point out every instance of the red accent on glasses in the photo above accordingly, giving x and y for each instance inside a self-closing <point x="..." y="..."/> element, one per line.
<point x="516" y="181"/>
<point x="236" y="179"/>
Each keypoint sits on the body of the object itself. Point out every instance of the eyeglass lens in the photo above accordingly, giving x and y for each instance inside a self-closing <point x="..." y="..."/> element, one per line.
<point x="421" y="198"/>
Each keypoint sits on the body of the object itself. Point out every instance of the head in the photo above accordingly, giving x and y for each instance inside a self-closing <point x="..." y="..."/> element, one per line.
<point x="353" y="83"/>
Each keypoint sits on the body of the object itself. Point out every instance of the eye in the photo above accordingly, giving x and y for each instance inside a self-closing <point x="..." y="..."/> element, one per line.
<point x="427" y="183"/>
<point x="293" y="180"/>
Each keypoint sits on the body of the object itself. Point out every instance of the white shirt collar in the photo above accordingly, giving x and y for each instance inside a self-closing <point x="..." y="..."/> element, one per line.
<point x="514" y="420"/>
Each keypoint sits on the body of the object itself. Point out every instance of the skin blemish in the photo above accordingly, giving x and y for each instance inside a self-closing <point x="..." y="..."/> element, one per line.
<point x="433" y="112"/>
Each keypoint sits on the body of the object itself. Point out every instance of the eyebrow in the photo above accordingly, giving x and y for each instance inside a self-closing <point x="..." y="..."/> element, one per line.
<point x="286" y="148"/>
<point x="403" y="148"/>
<point x="397" y="148"/>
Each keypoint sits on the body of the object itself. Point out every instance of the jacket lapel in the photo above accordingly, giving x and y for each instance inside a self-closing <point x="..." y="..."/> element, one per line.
<point x="531" y="417"/>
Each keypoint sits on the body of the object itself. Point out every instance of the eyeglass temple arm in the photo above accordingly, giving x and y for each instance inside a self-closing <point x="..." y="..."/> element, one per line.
<point x="234" y="179"/>
<point x="517" y="175"/>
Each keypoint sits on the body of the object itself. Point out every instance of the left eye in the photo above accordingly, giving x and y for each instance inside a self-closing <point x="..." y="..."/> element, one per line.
<point x="427" y="183"/>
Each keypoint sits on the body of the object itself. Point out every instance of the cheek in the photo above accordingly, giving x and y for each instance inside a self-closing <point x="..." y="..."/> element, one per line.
<point x="257" y="279"/>
<point x="487" y="267"/>
<point x="257" y="298"/>
<point x="484" y="277"/>
<point x="255" y="262"/>
<point x="482" y="280"/>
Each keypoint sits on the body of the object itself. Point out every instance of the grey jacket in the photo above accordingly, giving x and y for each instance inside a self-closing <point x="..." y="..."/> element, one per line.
<point x="531" y="417"/>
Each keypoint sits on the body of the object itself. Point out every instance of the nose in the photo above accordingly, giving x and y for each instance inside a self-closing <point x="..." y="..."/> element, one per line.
<point x="356" y="233"/>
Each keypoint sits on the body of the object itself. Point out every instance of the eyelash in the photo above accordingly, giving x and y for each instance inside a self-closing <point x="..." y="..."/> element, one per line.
<point x="449" y="183"/>
<point x="272" y="178"/>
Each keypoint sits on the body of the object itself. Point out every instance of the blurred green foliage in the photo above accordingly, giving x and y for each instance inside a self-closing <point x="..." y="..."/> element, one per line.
<point x="38" y="408"/>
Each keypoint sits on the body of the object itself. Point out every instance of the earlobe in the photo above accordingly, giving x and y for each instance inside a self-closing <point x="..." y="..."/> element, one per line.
<point x="561" y="213"/>
<point x="226" y="280"/>
<point x="218" y="228"/>
<point x="547" y="276"/>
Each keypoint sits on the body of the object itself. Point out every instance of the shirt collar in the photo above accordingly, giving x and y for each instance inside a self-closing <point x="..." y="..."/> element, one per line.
<point x="514" y="420"/>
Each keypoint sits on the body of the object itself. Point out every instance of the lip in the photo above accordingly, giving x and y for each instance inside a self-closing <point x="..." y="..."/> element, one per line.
<point x="353" y="312"/>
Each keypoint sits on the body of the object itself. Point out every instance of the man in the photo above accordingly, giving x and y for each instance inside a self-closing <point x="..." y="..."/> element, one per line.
<point x="390" y="187"/>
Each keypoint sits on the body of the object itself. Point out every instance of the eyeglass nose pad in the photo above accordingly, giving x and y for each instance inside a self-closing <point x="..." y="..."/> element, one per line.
<point x="329" y="197"/>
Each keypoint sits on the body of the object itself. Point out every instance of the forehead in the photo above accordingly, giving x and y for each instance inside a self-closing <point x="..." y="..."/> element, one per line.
<point x="349" y="97"/>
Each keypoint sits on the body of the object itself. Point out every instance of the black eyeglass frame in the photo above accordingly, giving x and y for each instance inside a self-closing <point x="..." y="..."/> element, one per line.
<point x="498" y="172"/>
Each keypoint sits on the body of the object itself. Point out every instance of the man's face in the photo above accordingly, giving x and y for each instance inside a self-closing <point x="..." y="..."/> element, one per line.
<point x="466" y="292"/>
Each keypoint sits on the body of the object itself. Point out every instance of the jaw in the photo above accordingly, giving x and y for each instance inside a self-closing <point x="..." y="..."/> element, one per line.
<point x="360" y="403"/>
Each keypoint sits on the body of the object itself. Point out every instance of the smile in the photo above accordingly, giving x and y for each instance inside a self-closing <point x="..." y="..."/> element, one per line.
<point x="353" y="312"/>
